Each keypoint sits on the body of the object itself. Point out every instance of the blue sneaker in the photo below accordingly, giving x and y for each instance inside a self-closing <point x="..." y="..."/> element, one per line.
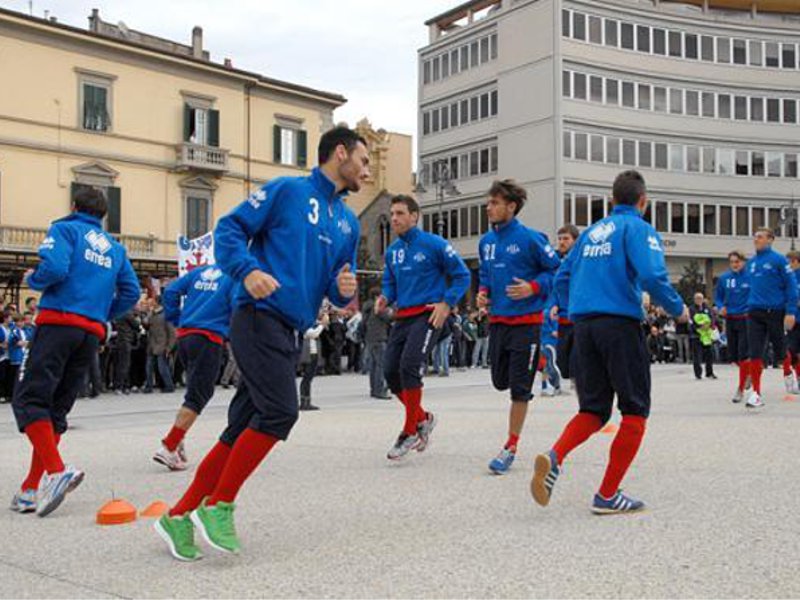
<point x="545" y="475"/>
<point x="24" y="501"/>
<point x="54" y="488"/>
<point x="619" y="503"/>
<point x="502" y="462"/>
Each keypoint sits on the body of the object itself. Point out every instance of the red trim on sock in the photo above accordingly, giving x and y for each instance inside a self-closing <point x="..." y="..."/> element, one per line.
<point x="43" y="438"/>
<point x="787" y="365"/>
<point x="36" y="470"/>
<point x="415" y="414"/>
<point x="174" y="437"/>
<point x="623" y="450"/>
<point x="249" y="450"/>
<point x="578" y="430"/>
<point x="513" y="441"/>
<point x="205" y="480"/>
<point x="744" y="371"/>
<point x="756" y="369"/>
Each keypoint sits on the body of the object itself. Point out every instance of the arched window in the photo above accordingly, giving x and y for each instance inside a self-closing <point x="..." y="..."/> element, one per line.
<point x="385" y="232"/>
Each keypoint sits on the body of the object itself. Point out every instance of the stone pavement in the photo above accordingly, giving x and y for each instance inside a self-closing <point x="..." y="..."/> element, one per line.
<point x="327" y="516"/>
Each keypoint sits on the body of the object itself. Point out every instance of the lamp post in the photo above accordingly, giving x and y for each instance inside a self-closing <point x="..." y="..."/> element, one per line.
<point x="444" y="186"/>
<point x="789" y="218"/>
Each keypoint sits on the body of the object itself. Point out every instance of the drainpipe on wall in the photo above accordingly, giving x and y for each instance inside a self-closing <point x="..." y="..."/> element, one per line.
<point x="248" y="94"/>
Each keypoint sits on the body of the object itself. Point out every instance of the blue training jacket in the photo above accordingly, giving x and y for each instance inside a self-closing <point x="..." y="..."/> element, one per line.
<point x="208" y="296"/>
<point x="511" y="251"/>
<point x="772" y="282"/>
<point x="16" y="353"/>
<point x="609" y="266"/>
<point x="84" y="271"/>
<point x="297" y="229"/>
<point x="415" y="268"/>
<point x="732" y="293"/>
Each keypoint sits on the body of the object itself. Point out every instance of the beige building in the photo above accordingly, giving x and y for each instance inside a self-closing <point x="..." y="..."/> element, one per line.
<point x="176" y="139"/>
<point x="703" y="97"/>
<point x="390" y="165"/>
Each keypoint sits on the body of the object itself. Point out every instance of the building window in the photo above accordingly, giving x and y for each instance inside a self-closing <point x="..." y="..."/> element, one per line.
<point x="789" y="56"/>
<point x="772" y="55"/>
<point x="790" y="165"/>
<point x="581" y="210"/>
<point x="484" y="222"/>
<point x="708" y="104"/>
<point x="445" y="65"/>
<point x="742" y="162"/>
<point x="758" y="164"/>
<point x="200" y="124"/>
<point x="597" y="148"/>
<point x="693" y="218"/>
<point x="113" y="219"/>
<point x="598" y="207"/>
<point x="612" y="150"/>
<point x="198" y="216"/>
<point x="740" y="108"/>
<point x="426" y="72"/>
<point x="567" y="208"/>
<point x="566" y="84"/>
<point x="596" y="88"/>
<point x="757" y="109"/>
<point x="660" y="99"/>
<point x="644" y="96"/>
<point x="707" y="48"/>
<point x="474" y="58"/>
<point x="659" y="42"/>
<point x="740" y="52"/>
<point x="723" y="50"/>
<point x="645" y="154"/>
<point x="612" y="33"/>
<point x="676" y="162"/>
<point x="774" y="164"/>
<point x="675" y="43"/>
<point x="662" y="217"/>
<point x="724" y="106"/>
<point x="579" y="86"/>
<point x="774" y="220"/>
<point x="494" y="46"/>
<point x="662" y="156"/>
<point x="677" y="217"/>
<point x="291" y="146"/>
<point x="595" y="30"/>
<point x="726" y="162"/>
<point x="627" y="36"/>
<point x="96" y="103"/>
<point x="756" y="53"/>
<point x="474" y="220"/>
<point x="790" y="111"/>
<point x="629" y="153"/>
<point x="612" y="92"/>
<point x="773" y="110"/>
<point x="581" y="146"/>
<point x="692" y="103"/>
<point x="725" y="220"/>
<point x="675" y="101"/>
<point x="484" y="50"/>
<point x="709" y="219"/>
<point x="693" y="159"/>
<point x="628" y="95"/>
<point x="742" y="221"/>
<point x="643" y="38"/>
<point x="709" y="160"/>
<point x="436" y="69"/>
<point x="690" y="46"/>
<point x="567" y="143"/>
<point x="579" y="26"/>
<point x="758" y="218"/>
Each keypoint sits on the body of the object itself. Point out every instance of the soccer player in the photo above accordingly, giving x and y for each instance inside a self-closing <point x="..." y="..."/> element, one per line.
<point x="791" y="366"/>
<point x="86" y="280"/>
<point x="567" y="236"/>
<point x="516" y="274"/>
<point x="289" y="245"/>
<point x="426" y="278"/>
<point x="773" y="306"/>
<point x="602" y="279"/>
<point x="730" y="298"/>
<point x="207" y="295"/>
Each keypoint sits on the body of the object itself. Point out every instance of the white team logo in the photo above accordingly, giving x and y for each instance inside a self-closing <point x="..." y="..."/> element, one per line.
<point x="548" y="249"/>
<point x="601" y="232"/>
<point x="211" y="274"/>
<point x="767" y="267"/>
<point x="450" y="251"/>
<point x="655" y="246"/>
<point x="345" y="226"/>
<point x="256" y="198"/>
<point x="419" y="257"/>
<point x="513" y="249"/>
<point x="48" y="243"/>
<point x="98" y="241"/>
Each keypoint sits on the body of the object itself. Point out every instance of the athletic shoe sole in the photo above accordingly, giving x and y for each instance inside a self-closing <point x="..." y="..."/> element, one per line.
<point x="541" y="467"/>
<point x="165" y="536"/>
<point x="74" y="483"/>
<point x="160" y="460"/>
<point x="198" y="523"/>
<point x="610" y="511"/>
<point x="494" y="471"/>
<point x="423" y="444"/>
<point x="404" y="455"/>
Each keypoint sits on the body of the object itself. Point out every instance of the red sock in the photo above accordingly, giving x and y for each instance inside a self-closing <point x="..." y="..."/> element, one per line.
<point x="744" y="371"/>
<point x="248" y="452"/>
<point x="205" y="480"/>
<point x="787" y="365"/>
<point x="43" y="438"/>
<point x="623" y="450"/>
<point x="513" y="440"/>
<point x="174" y="437"/>
<point x="37" y="470"/>
<point x="412" y="400"/>
<point x="756" y="368"/>
<point x="577" y="431"/>
<point x="797" y="369"/>
<point x="415" y="399"/>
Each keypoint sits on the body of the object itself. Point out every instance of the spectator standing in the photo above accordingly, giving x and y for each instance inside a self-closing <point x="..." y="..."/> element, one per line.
<point x="480" y="354"/>
<point x="376" y="334"/>
<point x="701" y="324"/>
<point x="160" y="341"/>
<point x="127" y="331"/>
<point x="309" y="361"/>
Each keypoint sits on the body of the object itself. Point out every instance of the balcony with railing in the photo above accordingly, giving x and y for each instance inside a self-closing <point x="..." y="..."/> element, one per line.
<point x="201" y="158"/>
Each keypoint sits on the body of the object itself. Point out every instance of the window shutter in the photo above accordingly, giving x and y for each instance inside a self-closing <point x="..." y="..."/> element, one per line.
<point x="88" y="106"/>
<point x="188" y="124"/>
<point x="302" y="148"/>
<point x="114" y="216"/>
<point x="276" y="144"/>
<point x="213" y="128"/>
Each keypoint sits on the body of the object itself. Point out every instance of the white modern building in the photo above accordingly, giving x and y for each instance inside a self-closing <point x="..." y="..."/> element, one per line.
<point x="701" y="96"/>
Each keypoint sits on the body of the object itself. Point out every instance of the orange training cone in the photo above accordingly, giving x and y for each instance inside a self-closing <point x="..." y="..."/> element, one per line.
<point x="116" y="512"/>
<point x="155" y="510"/>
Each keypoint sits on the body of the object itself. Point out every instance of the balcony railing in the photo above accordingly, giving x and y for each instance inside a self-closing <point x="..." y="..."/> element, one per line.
<point x="28" y="240"/>
<point x="203" y="158"/>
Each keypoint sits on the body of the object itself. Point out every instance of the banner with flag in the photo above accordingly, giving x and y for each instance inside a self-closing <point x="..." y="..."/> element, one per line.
<point x="195" y="253"/>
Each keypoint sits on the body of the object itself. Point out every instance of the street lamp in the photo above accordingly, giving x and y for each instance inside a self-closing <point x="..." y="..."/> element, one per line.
<point x="789" y="217"/>
<point x="444" y="185"/>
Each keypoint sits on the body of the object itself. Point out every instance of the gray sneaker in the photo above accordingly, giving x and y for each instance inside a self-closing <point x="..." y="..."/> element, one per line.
<point x="54" y="488"/>
<point x="424" y="431"/>
<point x="24" y="501"/>
<point x="405" y="443"/>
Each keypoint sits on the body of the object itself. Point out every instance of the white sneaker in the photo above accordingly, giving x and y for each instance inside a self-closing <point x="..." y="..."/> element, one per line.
<point x="738" y="397"/>
<point x="754" y="400"/>
<point x="181" y="450"/>
<point x="54" y="488"/>
<point x="549" y="391"/>
<point x="791" y="384"/>
<point x="171" y="460"/>
<point x="24" y="501"/>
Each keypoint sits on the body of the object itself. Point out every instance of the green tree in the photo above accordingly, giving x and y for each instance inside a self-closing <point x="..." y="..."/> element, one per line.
<point x="691" y="282"/>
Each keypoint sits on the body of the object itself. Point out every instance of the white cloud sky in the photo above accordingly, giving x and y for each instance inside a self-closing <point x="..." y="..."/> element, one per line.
<point x="363" y="49"/>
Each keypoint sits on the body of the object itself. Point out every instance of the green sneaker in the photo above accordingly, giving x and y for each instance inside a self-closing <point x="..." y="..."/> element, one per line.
<point x="178" y="532"/>
<point x="215" y="523"/>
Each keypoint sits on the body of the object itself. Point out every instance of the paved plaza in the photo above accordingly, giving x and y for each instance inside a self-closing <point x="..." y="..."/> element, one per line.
<point x="328" y="516"/>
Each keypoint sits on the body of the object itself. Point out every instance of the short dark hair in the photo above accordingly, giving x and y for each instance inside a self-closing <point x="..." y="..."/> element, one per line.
<point x="510" y="192"/>
<point x="793" y="255"/>
<point x="570" y="230"/>
<point x="411" y="204"/>
<point x="629" y="187"/>
<point x="92" y="201"/>
<point x="335" y="137"/>
<point x="737" y="253"/>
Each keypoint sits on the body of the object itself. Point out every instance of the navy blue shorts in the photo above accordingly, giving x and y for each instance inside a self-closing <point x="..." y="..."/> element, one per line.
<point x="266" y="350"/>
<point x="793" y="341"/>
<point x="612" y="358"/>
<point x="202" y="359"/>
<point x="408" y="349"/>
<point x="736" y="330"/>
<point x="766" y="326"/>
<point x="514" y="354"/>
<point x="52" y="375"/>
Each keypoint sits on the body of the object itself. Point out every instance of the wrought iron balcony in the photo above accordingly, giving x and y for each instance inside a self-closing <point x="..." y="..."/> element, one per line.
<point x="202" y="158"/>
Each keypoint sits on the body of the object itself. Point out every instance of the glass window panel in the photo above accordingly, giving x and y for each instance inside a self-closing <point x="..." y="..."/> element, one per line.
<point x="693" y="159"/>
<point x="707" y="48"/>
<point x="789" y="111"/>
<point x="740" y="108"/>
<point x="659" y="41"/>
<point x="612" y="92"/>
<point x="723" y="50"/>
<point x="740" y="52"/>
<point x="494" y="107"/>
<point x="426" y="123"/>
<point x="612" y="150"/>
<point x="725" y="220"/>
<point x="473" y="54"/>
<point x="445" y="66"/>
<point x="645" y="154"/>
<point x="484" y="222"/>
<point x="484" y="106"/>
<point x="596" y="88"/>
<point x="474" y="163"/>
<point x="789" y="52"/>
<point x="660" y="99"/>
<point x="494" y="160"/>
<point x="464" y="57"/>
<point x="709" y="160"/>
<point x="709" y="219"/>
<point x="566" y="21"/>
<point x="597" y="144"/>
<point x="454" y="167"/>
<point x="581" y="210"/>
<point x="790" y="165"/>
<point x="742" y="162"/>
<point x="493" y="39"/>
<point x="595" y="30"/>
<point x="579" y="86"/>
<point x="758" y="164"/>
<point x="773" y="110"/>
<point x="709" y="103"/>
<point x="597" y="209"/>
<point x="628" y="96"/>
<point x="464" y="112"/>
<point x="629" y="153"/>
<point x="758" y="217"/>
<point x="463" y="219"/>
<point x="436" y="69"/>
<point x="626" y="35"/>
<point x="484" y="50"/>
<point x="662" y="161"/>
<point x="435" y="120"/>
<point x="742" y="221"/>
<point x="454" y="114"/>
<point x="676" y="162"/>
<point x="675" y="43"/>
<point x="474" y="219"/>
<point x="484" y="161"/>
<point x="756" y="109"/>
<point x="774" y="164"/>
<point x="693" y="218"/>
<point x="567" y="144"/>
<point x="691" y="46"/>
<point x="579" y="26"/>
<point x="676" y="101"/>
<point x="426" y="72"/>
<point x="725" y="162"/>
<point x="474" y="108"/>
<point x="692" y="103"/>
<point x="662" y="217"/>
<point x="643" y="38"/>
<point x="772" y="54"/>
<point x="677" y="213"/>
<point x="644" y="96"/>
<point x="756" y="53"/>
<point x="774" y="220"/>
<point x="453" y="224"/>
<point x="454" y="62"/>
<point x="567" y="208"/>
<point x="612" y="33"/>
<point x="724" y="106"/>
<point x="566" y="84"/>
<point x="581" y="146"/>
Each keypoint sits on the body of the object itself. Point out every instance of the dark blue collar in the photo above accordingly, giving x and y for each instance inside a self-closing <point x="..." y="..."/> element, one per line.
<point x="83" y="217"/>
<point x="625" y="209"/>
<point x="766" y="250"/>
<point x="409" y="236"/>
<point x="505" y="226"/>
<point x="324" y="185"/>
